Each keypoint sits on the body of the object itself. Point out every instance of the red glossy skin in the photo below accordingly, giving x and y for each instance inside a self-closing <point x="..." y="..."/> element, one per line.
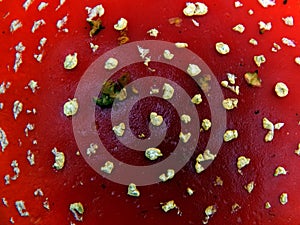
<point x="106" y="202"/>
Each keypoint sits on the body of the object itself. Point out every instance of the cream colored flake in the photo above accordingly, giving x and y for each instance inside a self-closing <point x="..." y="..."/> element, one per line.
<point x="206" y="156"/>
<point x="259" y="59"/>
<point x="119" y="129"/>
<point x="230" y="135"/>
<point x="193" y="70"/>
<point x="169" y="175"/>
<point x="38" y="192"/>
<point x="33" y="85"/>
<point x="15" y="25"/>
<point x="96" y="11"/>
<point x="238" y="4"/>
<point x="156" y="119"/>
<point x="167" y="206"/>
<point x="218" y="181"/>
<point x="197" y="99"/>
<point x="189" y="10"/>
<point x="253" y="41"/>
<point x="143" y="51"/>
<point x="206" y="124"/>
<point x="185" y="118"/>
<point x="18" y="61"/>
<point x="46" y="204"/>
<point x="288" y="42"/>
<point x="168" y="55"/>
<point x="154" y="91"/>
<point x="264" y="26"/>
<point x="121" y="24"/>
<point x="4" y="86"/>
<point x="61" y="23"/>
<point x="297" y="151"/>
<point x="230" y="103"/>
<point x="108" y="167"/>
<point x="231" y="78"/>
<point x="92" y="149"/>
<point x="38" y="57"/>
<point x="267" y="205"/>
<point x="20" y="205"/>
<point x="185" y="137"/>
<point x="222" y="48"/>
<point x="297" y="60"/>
<point x="289" y="21"/>
<point x="283" y="198"/>
<point x="4" y="201"/>
<point x="198" y="167"/>
<point x="70" y="61"/>
<point x="235" y="207"/>
<point x="267" y="124"/>
<point x="242" y="161"/>
<point x="196" y="23"/>
<point x="71" y="107"/>
<point x="59" y="159"/>
<point x="190" y="191"/>
<point x="111" y="64"/>
<point x="153" y="32"/>
<point x="249" y="187"/>
<point x="280" y="171"/>
<point x="269" y="136"/>
<point x="281" y="89"/>
<point x="153" y="153"/>
<point x="30" y="158"/>
<point x="201" y="9"/>
<point x="77" y="210"/>
<point x="168" y="91"/>
<point x="1" y="105"/>
<point x="94" y="47"/>
<point x="181" y="45"/>
<point x="17" y="108"/>
<point x="278" y="126"/>
<point x="267" y="3"/>
<point x="210" y="210"/>
<point x="132" y="190"/>
<point x="122" y="95"/>
<point x="239" y="28"/>
<point x="27" y="3"/>
<point x="37" y="24"/>
<point x="42" y="5"/>
<point x="250" y="12"/>
<point x="276" y="47"/>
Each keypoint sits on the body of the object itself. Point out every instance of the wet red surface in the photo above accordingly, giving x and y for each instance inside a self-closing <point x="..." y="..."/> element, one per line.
<point x="106" y="202"/>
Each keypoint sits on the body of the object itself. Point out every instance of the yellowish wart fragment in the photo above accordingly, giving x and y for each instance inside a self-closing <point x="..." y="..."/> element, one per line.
<point x="153" y="32"/>
<point x="259" y="59"/>
<point x="119" y="129"/>
<point x="197" y="99"/>
<point x="17" y="108"/>
<point x="267" y="205"/>
<point x="206" y="124"/>
<point x="121" y="24"/>
<point x="253" y="41"/>
<point x="297" y="60"/>
<point x="242" y="161"/>
<point x="280" y="171"/>
<point x="190" y="191"/>
<point x="168" y="91"/>
<point x="70" y="61"/>
<point x="167" y="206"/>
<point x="281" y="89"/>
<point x="77" y="210"/>
<point x="185" y="118"/>
<point x="235" y="207"/>
<point x="230" y="103"/>
<point x="71" y="107"/>
<point x="283" y="198"/>
<point x="111" y="64"/>
<point x="156" y="119"/>
<point x="132" y="190"/>
<point x="289" y="21"/>
<point x="222" y="48"/>
<point x="108" y="167"/>
<point x="193" y="70"/>
<point x="249" y="187"/>
<point x="181" y="45"/>
<point x="230" y="135"/>
<point x="239" y="28"/>
<point x="169" y="175"/>
<point x="59" y="159"/>
<point x="168" y="55"/>
<point x="153" y="153"/>
<point x="185" y="137"/>
<point x="253" y="79"/>
<point x="195" y="9"/>
<point x="218" y="181"/>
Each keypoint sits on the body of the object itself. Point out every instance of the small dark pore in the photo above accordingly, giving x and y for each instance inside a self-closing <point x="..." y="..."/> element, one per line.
<point x="256" y="112"/>
<point x="285" y="2"/>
